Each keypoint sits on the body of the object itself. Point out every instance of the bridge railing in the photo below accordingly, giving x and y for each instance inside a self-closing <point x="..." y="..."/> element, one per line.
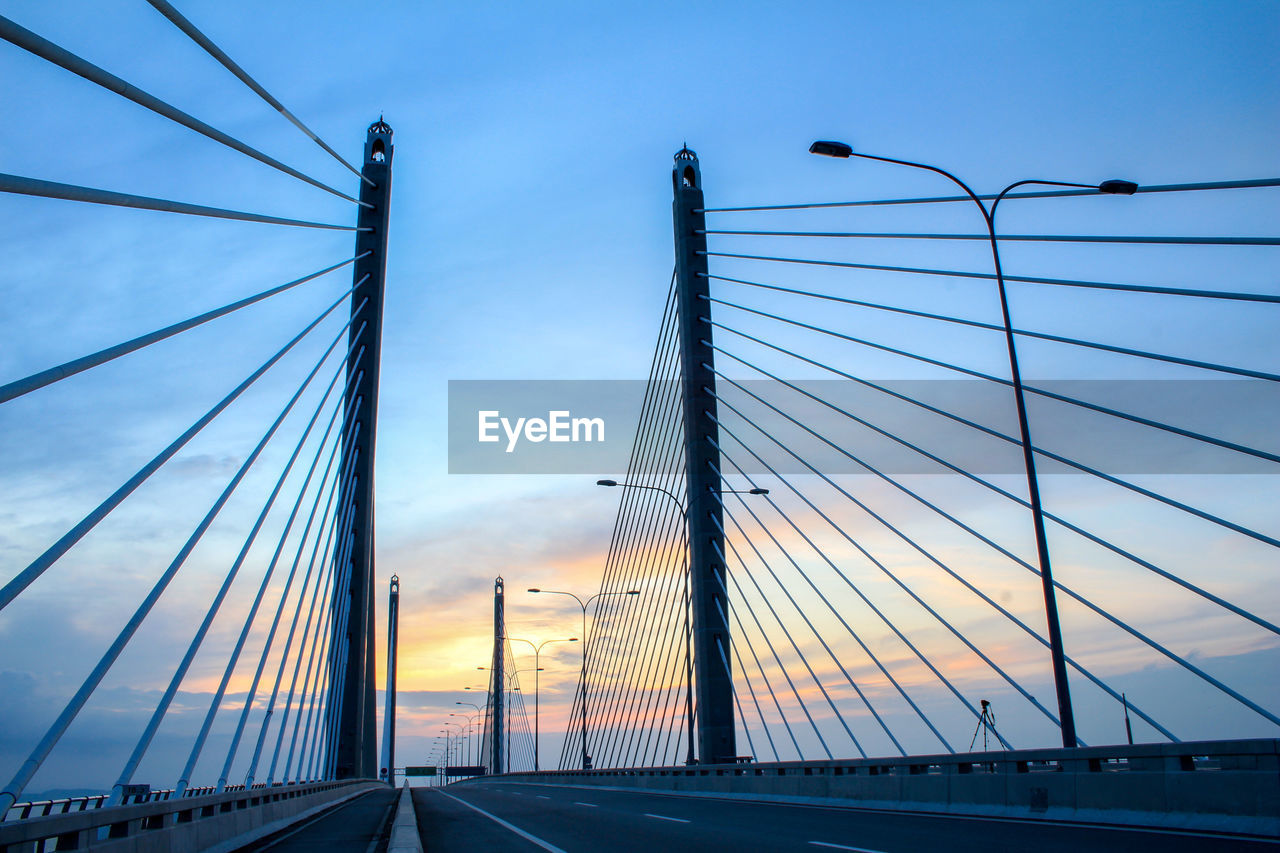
<point x="67" y="805"/>
<point x="1226" y="785"/>
<point x="241" y="814"/>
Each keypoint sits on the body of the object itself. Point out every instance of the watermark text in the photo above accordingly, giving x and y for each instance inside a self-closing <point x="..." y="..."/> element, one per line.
<point x="558" y="426"/>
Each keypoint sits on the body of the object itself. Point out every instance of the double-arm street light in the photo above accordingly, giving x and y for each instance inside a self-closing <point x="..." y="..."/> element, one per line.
<point x="688" y="634"/>
<point x="582" y="679"/>
<point x="479" y="712"/>
<point x="471" y="722"/>
<point x="537" y="668"/>
<point x="449" y="734"/>
<point x="1112" y="187"/>
<point x="510" y="686"/>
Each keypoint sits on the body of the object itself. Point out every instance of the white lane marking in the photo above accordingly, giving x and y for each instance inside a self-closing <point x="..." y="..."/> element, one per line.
<point x="843" y="847"/>
<point x="588" y="805"/>
<point x="664" y="817"/>
<point x="382" y="824"/>
<point x="845" y="809"/>
<point x="550" y="848"/>
<point x="542" y="797"/>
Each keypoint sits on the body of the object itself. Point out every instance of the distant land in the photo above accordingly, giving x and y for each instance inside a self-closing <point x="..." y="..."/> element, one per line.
<point x="60" y="794"/>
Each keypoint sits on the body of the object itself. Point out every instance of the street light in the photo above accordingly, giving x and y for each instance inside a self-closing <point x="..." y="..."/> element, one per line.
<point x="471" y="720"/>
<point x="611" y="483"/>
<point x="510" y="686"/>
<point x="827" y="148"/>
<point x="688" y="657"/>
<point x="511" y="677"/>
<point x="537" y="668"/>
<point x="449" y="743"/>
<point x="474" y="760"/>
<point x="582" y="680"/>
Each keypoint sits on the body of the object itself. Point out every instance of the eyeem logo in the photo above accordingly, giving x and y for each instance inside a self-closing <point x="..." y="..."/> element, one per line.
<point x="559" y="426"/>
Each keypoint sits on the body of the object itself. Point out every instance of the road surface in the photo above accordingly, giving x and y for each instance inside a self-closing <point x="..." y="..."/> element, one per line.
<point x="505" y="816"/>
<point x="357" y="826"/>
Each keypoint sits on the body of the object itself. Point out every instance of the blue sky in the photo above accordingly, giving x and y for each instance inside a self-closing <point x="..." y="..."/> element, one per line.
<point x="531" y="238"/>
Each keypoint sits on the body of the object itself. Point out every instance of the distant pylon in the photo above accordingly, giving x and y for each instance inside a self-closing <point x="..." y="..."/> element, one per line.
<point x="496" y="683"/>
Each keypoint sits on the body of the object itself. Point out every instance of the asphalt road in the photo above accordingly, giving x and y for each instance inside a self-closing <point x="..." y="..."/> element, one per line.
<point x="498" y="816"/>
<point x="356" y="826"/>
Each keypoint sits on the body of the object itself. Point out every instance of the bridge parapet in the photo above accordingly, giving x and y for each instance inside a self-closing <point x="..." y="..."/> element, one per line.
<point x="206" y="822"/>
<point x="1211" y="785"/>
<point x="66" y="805"/>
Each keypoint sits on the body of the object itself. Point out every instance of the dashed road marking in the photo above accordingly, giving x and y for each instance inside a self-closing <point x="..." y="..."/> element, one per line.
<point x="843" y="847"/>
<point x="550" y="848"/>
<point x="588" y="805"/>
<point x="664" y="817"/>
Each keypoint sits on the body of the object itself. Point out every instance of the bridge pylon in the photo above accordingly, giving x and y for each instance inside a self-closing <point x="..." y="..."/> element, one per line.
<point x="497" y="682"/>
<point x="389" y="706"/>
<point x="353" y="745"/>
<point x="707" y="579"/>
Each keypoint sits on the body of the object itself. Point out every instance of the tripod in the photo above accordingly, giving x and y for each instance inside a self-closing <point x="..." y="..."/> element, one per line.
<point x="986" y="723"/>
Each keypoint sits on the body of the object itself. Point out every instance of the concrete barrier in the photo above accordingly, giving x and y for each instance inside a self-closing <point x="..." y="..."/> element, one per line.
<point x="210" y="822"/>
<point x="404" y="828"/>
<point x="1230" y="786"/>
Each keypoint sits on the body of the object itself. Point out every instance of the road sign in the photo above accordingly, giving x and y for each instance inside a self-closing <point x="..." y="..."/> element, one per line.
<point x="466" y="770"/>
<point x="420" y="771"/>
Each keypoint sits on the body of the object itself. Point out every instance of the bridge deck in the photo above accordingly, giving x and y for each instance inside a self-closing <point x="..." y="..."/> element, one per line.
<point x="359" y="825"/>
<point x="503" y="816"/>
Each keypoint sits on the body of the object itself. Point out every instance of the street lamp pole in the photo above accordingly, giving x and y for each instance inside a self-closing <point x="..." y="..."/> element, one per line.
<point x="582" y="679"/>
<point x="471" y="721"/>
<point x="1112" y="187"/>
<point x="510" y="682"/>
<point x="537" y="668"/>
<point x="461" y="728"/>
<point x="688" y="656"/>
<point x="510" y="687"/>
<point x="477" y="716"/>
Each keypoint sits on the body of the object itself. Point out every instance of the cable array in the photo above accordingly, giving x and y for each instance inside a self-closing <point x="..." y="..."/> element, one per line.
<point x="881" y="577"/>
<point x="276" y="614"/>
<point x="873" y="591"/>
<point x="638" y="691"/>
<point x="517" y="747"/>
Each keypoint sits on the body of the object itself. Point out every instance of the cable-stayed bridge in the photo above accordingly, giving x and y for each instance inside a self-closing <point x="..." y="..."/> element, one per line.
<point x="970" y="529"/>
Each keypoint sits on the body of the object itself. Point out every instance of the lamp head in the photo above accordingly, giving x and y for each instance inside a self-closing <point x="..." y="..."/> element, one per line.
<point x="633" y="592"/>
<point x="758" y="491"/>
<point x="606" y="482"/>
<point x="535" y="590"/>
<point x="828" y="148"/>
<point x="1118" y="187"/>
